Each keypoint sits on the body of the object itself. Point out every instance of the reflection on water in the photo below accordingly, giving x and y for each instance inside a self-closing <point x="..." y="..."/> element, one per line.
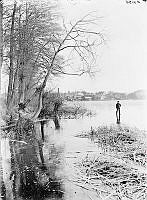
<point x="25" y="173"/>
<point x="37" y="170"/>
<point x="133" y="112"/>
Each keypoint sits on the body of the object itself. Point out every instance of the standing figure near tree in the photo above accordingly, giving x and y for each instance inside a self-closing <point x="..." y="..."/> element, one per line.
<point x="118" y="105"/>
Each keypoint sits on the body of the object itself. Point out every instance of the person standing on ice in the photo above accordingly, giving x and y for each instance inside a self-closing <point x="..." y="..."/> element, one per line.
<point x="118" y="105"/>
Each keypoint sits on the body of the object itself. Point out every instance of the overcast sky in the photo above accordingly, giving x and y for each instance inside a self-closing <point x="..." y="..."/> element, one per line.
<point x="123" y="62"/>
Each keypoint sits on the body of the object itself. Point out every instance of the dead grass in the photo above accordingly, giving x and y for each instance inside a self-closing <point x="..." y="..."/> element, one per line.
<point x="112" y="179"/>
<point x="125" y="142"/>
<point x="120" y="171"/>
<point x="74" y="111"/>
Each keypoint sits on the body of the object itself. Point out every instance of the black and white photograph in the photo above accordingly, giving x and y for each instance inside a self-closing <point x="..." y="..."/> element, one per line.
<point x="73" y="99"/>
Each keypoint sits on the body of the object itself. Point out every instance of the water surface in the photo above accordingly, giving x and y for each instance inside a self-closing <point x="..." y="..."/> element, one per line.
<point x="39" y="170"/>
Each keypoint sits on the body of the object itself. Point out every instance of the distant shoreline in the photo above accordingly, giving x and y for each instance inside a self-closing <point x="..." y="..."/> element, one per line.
<point x="103" y="96"/>
<point x="109" y="100"/>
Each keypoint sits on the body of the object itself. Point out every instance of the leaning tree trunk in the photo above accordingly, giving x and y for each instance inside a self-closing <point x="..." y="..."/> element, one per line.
<point x="42" y="129"/>
<point x="21" y="88"/>
<point x="11" y="71"/>
<point x="56" y="121"/>
<point x="56" y="117"/>
<point x="2" y="188"/>
<point x="39" y="106"/>
<point x="1" y="38"/>
<point x="15" y="86"/>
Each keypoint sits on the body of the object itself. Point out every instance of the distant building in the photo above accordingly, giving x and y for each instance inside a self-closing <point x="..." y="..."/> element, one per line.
<point x="88" y="98"/>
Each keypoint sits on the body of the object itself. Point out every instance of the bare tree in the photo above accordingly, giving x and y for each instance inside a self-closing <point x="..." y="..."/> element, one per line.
<point x="1" y="60"/>
<point x="36" y="48"/>
<point x="27" y="27"/>
<point x="77" y="39"/>
<point x="11" y="68"/>
<point x="1" y="38"/>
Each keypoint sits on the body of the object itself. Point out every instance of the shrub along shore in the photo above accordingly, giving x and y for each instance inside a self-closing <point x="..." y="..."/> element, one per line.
<point x="119" y="169"/>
